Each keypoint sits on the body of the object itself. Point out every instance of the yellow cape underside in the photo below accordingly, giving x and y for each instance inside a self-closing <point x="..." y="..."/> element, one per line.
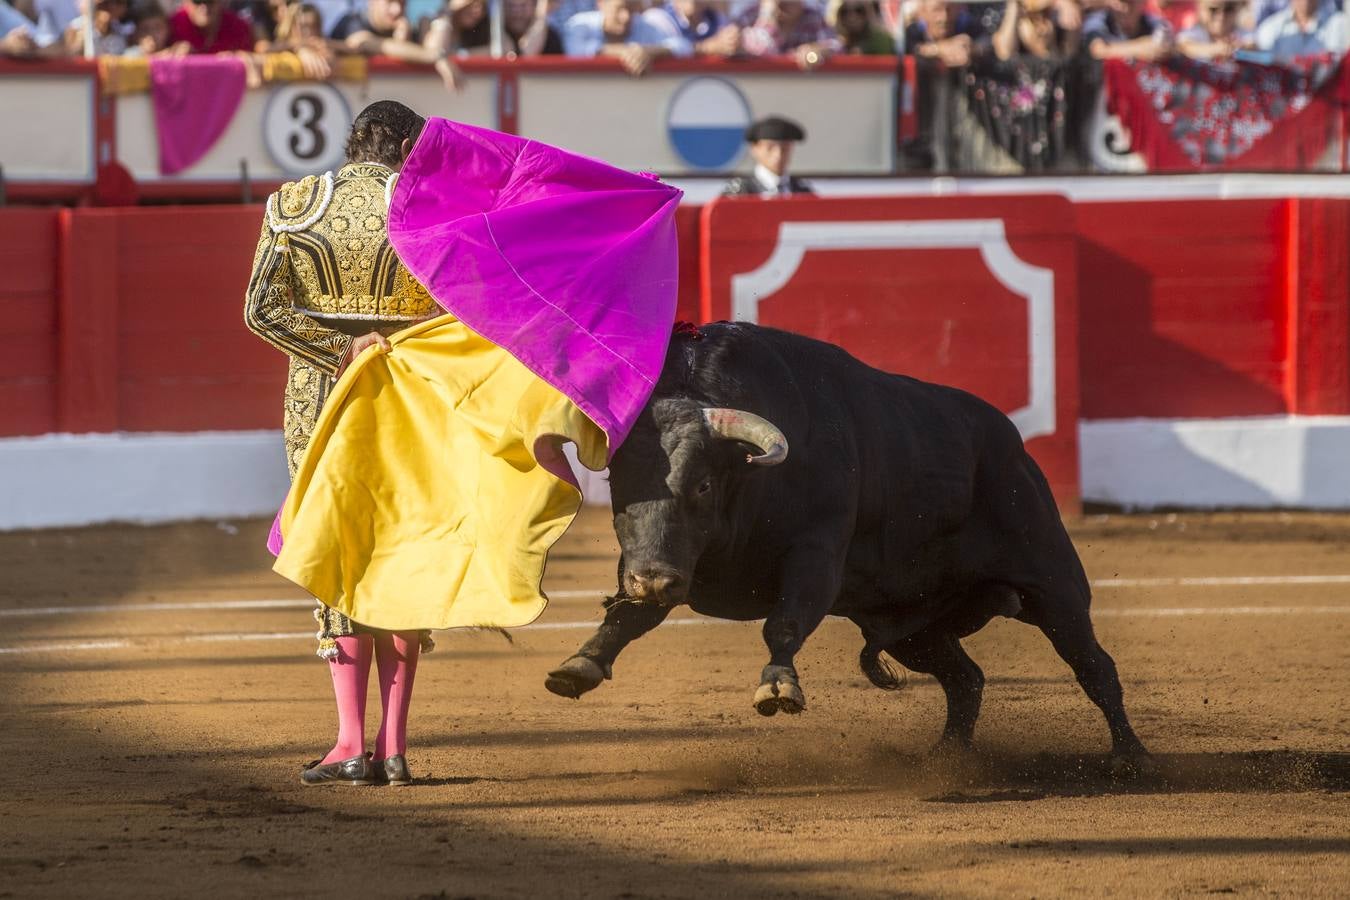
<point x="420" y="502"/>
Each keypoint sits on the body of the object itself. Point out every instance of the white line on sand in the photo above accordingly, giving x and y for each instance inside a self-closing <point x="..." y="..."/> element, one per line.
<point x="1166" y="612"/>
<point x="300" y="603"/>
<point x="1108" y="612"/>
<point x="1227" y="581"/>
<point x="295" y="603"/>
<point x="241" y="637"/>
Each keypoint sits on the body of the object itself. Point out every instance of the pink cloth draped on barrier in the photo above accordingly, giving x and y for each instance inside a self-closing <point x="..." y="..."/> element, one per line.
<point x="565" y="262"/>
<point x="195" y="99"/>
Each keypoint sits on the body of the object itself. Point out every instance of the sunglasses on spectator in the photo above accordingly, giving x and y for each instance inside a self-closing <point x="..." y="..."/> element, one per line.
<point x="853" y="10"/>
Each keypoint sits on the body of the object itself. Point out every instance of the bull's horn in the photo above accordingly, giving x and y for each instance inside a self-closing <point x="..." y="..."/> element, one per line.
<point x="739" y="425"/>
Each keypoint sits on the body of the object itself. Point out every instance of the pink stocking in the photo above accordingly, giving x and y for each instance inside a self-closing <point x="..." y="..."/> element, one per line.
<point x="350" y="670"/>
<point x="396" y="657"/>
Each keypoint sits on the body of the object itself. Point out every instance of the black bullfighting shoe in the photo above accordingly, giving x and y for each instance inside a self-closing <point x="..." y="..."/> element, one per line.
<point x="393" y="771"/>
<point x="354" y="771"/>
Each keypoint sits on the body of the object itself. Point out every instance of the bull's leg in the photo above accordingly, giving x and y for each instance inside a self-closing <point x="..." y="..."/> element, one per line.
<point x="810" y="585"/>
<point x="939" y="653"/>
<point x="625" y="621"/>
<point x="1075" y="642"/>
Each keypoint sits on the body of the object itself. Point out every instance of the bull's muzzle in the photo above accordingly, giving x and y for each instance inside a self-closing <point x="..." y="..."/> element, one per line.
<point x="651" y="586"/>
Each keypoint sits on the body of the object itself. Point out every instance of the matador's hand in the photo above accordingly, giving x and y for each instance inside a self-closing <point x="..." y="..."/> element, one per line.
<point x="370" y="339"/>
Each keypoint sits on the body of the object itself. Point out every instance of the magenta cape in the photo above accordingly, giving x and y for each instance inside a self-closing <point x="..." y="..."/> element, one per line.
<point x="566" y="263"/>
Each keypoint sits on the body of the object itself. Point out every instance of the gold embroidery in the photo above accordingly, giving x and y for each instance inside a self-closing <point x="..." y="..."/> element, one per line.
<point x="306" y="390"/>
<point x="343" y="265"/>
<point x="383" y="309"/>
<point x="298" y="197"/>
<point x="268" y="312"/>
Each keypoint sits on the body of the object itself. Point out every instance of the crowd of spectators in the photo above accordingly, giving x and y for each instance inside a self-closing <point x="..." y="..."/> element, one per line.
<point x="639" y="32"/>
<point x="1268" y="31"/>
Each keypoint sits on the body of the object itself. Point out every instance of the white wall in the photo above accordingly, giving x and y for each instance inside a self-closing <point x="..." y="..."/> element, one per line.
<point x="64" y="480"/>
<point x="1263" y="462"/>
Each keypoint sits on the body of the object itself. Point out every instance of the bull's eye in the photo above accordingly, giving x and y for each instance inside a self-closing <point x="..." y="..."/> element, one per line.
<point x="704" y="486"/>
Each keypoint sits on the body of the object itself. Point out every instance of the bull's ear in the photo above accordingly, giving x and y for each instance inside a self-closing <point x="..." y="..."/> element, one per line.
<point x="761" y="434"/>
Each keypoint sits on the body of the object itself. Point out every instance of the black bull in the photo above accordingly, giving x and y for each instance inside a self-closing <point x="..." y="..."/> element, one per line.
<point x="910" y="508"/>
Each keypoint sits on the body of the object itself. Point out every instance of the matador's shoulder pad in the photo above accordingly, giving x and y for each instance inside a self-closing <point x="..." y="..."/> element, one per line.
<point x="299" y="204"/>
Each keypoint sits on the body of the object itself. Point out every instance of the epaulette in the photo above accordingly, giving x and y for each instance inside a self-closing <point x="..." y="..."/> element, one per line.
<point x="299" y="204"/>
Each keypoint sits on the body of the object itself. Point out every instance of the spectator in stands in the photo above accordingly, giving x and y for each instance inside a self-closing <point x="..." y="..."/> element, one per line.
<point x="528" y="32"/>
<point x="110" y="37"/>
<point x="36" y="28"/>
<point x="1217" y="33"/>
<point x="332" y="11"/>
<point x="1032" y="28"/>
<point x="563" y="11"/>
<point x="259" y="12"/>
<point x="151" y="34"/>
<point x="463" y="27"/>
<point x="771" y="144"/>
<point x="1123" y="30"/>
<point x="385" y="31"/>
<point x="16" y="33"/>
<point x="382" y="18"/>
<point x="1305" y="28"/>
<point x="265" y="17"/>
<point x="936" y="34"/>
<point x="858" y="25"/>
<point x="307" y="26"/>
<point x="466" y="28"/>
<point x="783" y="27"/>
<point x="707" y="29"/>
<point x="53" y="17"/>
<point x="206" y="26"/>
<point x="297" y="28"/>
<point x="618" y="29"/>
<point x="1264" y="9"/>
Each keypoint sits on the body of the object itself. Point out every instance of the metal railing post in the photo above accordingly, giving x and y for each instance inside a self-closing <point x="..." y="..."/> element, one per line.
<point x="496" y="21"/>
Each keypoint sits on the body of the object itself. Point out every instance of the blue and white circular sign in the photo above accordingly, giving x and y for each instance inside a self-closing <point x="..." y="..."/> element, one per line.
<point x="706" y="122"/>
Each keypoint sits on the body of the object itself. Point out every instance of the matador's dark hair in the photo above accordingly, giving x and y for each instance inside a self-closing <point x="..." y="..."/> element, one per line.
<point x="379" y="132"/>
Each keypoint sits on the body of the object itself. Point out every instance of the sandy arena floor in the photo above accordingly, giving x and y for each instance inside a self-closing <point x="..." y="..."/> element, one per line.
<point x="148" y="756"/>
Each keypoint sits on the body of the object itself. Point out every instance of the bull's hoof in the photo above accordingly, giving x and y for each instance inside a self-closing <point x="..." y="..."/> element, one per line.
<point x="575" y="677"/>
<point x="779" y="692"/>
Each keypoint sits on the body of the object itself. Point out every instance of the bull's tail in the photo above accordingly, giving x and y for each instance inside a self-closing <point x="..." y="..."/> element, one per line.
<point x="880" y="672"/>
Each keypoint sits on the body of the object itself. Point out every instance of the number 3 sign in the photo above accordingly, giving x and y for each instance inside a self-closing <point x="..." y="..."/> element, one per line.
<point x="305" y="128"/>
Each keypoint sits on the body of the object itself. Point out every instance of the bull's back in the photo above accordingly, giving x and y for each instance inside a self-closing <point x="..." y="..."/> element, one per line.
<point x="947" y="492"/>
<point x="935" y="483"/>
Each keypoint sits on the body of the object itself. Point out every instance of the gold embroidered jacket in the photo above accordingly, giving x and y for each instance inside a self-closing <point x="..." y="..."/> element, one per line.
<point x="323" y="272"/>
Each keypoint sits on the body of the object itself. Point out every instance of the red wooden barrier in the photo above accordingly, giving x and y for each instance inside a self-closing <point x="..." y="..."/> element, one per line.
<point x="979" y="293"/>
<point x="130" y="319"/>
<point x="1318" y="291"/>
<point x="687" y="220"/>
<point x="1183" y="308"/>
<point x="1214" y="308"/>
<point x="188" y="363"/>
<point x="27" y="321"/>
